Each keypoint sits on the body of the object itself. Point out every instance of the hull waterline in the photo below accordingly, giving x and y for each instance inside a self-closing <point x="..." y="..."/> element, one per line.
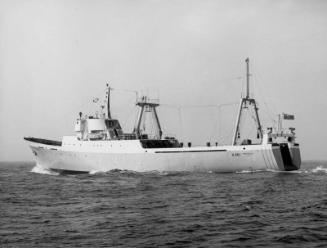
<point x="202" y="159"/>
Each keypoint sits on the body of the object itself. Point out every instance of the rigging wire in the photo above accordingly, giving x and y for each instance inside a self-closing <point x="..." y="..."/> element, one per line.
<point x="198" y="106"/>
<point x="128" y="91"/>
<point x="179" y="109"/>
<point x="83" y="105"/>
<point x="268" y="111"/>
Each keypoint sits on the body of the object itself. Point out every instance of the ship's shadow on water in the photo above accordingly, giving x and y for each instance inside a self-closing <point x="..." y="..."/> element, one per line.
<point x="170" y="209"/>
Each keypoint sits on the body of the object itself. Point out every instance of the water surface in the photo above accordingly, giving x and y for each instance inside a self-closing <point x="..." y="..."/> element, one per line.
<point x="127" y="209"/>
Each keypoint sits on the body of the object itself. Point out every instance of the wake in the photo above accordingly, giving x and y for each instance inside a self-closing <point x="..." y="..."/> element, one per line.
<point x="41" y="170"/>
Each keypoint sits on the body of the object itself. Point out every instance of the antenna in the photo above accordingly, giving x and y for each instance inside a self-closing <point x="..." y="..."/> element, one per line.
<point x="247" y="78"/>
<point x="108" y="102"/>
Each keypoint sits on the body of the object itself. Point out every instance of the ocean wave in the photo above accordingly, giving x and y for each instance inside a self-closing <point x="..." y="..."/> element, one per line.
<point x="99" y="172"/>
<point x="114" y="171"/>
<point x="94" y="172"/>
<point x="319" y="169"/>
<point x="42" y="170"/>
<point x="250" y="171"/>
<point x="145" y="173"/>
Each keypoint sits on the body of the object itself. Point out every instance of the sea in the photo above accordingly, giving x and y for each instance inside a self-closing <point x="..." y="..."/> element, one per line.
<point x="39" y="208"/>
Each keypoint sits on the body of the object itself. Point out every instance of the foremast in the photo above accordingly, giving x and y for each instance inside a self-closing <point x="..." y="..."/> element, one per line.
<point x="147" y="106"/>
<point x="247" y="102"/>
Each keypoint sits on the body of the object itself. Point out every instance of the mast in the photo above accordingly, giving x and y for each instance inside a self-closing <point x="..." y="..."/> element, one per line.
<point x="238" y="119"/>
<point x="158" y="123"/>
<point x="147" y="106"/>
<point x="245" y="103"/>
<point x="247" y="79"/>
<point x="108" y="101"/>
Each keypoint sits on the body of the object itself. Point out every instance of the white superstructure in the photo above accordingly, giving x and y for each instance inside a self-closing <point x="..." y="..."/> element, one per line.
<point x="101" y="145"/>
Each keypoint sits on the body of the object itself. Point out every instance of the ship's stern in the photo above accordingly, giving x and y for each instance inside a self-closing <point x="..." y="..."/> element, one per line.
<point x="287" y="156"/>
<point x="295" y="155"/>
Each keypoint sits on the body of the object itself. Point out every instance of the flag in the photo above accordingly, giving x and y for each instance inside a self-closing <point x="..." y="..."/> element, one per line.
<point x="288" y="117"/>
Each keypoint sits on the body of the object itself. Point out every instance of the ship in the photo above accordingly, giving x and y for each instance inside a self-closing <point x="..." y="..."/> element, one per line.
<point x="100" y="144"/>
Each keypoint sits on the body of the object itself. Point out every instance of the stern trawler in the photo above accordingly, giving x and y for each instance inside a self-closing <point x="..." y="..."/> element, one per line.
<point x="101" y="145"/>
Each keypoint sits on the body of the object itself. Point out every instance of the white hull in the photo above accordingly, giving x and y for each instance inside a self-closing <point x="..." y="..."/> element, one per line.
<point x="89" y="156"/>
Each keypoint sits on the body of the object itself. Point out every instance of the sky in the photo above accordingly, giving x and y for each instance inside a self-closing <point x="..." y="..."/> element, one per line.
<point x="56" y="56"/>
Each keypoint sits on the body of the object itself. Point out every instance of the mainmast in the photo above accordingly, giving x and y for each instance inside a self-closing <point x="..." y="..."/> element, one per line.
<point x="108" y="101"/>
<point x="247" y="78"/>
<point x="245" y="103"/>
